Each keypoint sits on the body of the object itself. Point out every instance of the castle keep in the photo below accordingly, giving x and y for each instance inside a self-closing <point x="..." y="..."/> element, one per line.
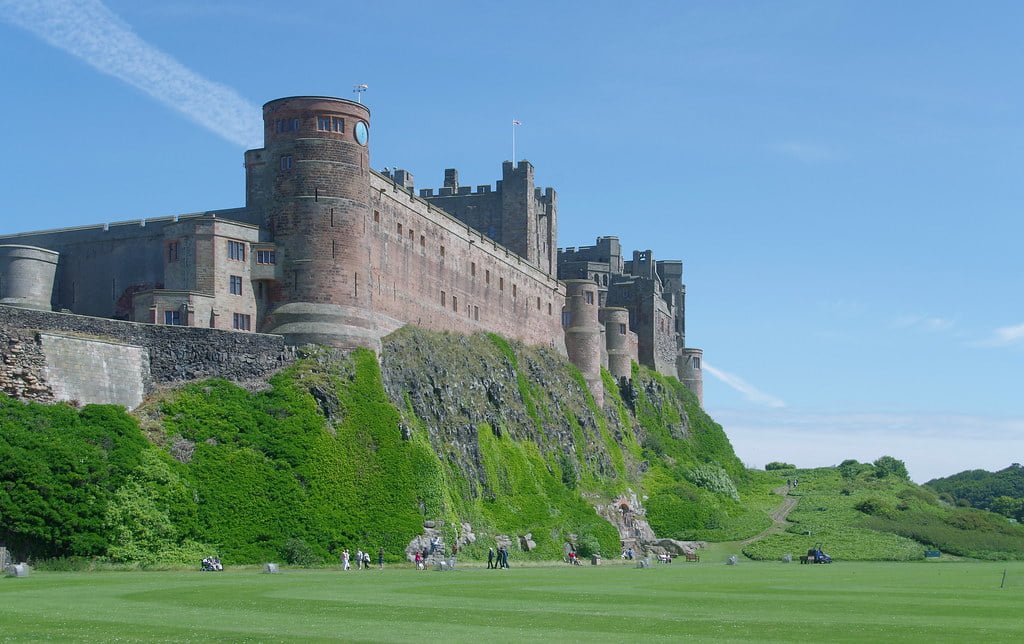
<point x="328" y="251"/>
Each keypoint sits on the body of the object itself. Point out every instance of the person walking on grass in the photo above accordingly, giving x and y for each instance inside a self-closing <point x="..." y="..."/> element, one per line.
<point x="490" y="558"/>
<point x="380" y="559"/>
<point x="345" y="556"/>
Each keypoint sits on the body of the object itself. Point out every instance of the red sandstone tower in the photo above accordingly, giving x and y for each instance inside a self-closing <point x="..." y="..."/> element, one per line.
<point x="311" y="183"/>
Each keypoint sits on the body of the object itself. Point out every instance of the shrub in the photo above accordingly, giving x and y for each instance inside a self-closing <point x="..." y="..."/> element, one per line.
<point x="297" y="552"/>
<point x="776" y="465"/>
<point x="713" y="478"/>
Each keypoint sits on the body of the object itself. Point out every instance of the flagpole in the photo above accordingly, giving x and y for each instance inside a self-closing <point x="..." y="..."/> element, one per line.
<point x="515" y="122"/>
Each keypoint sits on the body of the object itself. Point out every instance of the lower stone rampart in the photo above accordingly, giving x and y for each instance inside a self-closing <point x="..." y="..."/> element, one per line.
<point x="29" y="338"/>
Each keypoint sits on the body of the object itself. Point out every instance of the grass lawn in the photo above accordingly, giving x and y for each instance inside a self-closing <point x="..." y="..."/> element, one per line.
<point x="928" y="602"/>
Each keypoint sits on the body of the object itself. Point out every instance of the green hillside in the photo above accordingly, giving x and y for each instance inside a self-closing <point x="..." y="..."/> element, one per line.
<point x="1001" y="491"/>
<point x="867" y="511"/>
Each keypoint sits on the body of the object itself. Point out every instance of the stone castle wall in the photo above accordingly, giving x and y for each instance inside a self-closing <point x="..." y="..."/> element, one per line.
<point x="47" y="356"/>
<point x="430" y="270"/>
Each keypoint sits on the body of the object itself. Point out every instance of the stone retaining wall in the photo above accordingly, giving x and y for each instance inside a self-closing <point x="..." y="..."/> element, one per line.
<point x="38" y="346"/>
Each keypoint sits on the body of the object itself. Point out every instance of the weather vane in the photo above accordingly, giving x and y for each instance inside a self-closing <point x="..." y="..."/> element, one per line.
<point x="358" y="91"/>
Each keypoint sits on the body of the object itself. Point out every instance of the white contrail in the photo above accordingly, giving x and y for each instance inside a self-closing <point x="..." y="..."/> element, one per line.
<point x="90" y="31"/>
<point x="749" y="391"/>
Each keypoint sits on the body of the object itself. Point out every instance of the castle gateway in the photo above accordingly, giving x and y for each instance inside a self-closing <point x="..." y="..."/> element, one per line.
<point x="328" y="251"/>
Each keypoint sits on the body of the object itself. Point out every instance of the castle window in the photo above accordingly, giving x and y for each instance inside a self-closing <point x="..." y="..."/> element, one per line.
<point x="172" y="318"/>
<point x="423" y="242"/>
<point x="266" y="257"/>
<point x="444" y="302"/>
<point x="696" y="363"/>
<point x="604" y="280"/>
<point x="549" y="308"/>
<point x="472" y="269"/>
<point x="172" y="251"/>
<point x="476" y="313"/>
<point x="236" y="250"/>
<point x="376" y="216"/>
<point x="514" y="293"/>
<point x="622" y="329"/>
<point x="566" y="318"/>
<point x="235" y="285"/>
<point x="286" y="162"/>
<point x="286" y="125"/>
<point x="588" y="296"/>
<point x="442" y="251"/>
<point x="323" y="123"/>
<point x="538" y="303"/>
<point x="241" y="321"/>
<point x="455" y="303"/>
<point x="501" y="283"/>
<point x="399" y="230"/>
<point x="339" y="124"/>
<point x="487" y="277"/>
<point x="412" y="236"/>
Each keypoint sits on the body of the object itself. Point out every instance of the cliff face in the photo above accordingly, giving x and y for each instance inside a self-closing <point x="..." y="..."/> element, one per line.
<point x="442" y="440"/>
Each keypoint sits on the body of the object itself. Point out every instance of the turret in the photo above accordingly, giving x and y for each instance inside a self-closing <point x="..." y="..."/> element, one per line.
<point x="26" y="276"/>
<point x="311" y="184"/>
<point x="616" y="333"/>
<point x="583" y="337"/>
<point x="688" y="365"/>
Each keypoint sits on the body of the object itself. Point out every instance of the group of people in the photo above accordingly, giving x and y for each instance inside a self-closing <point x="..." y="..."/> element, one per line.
<point x="212" y="564"/>
<point x="498" y="559"/>
<point x="363" y="560"/>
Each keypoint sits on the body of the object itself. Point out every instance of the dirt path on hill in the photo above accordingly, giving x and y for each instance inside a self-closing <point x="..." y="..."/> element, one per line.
<point x="778" y="515"/>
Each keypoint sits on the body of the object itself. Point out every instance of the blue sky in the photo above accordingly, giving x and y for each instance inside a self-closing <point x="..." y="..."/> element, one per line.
<point x="840" y="179"/>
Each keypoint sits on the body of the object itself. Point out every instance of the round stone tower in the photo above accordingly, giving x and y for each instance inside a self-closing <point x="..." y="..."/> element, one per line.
<point x="616" y="334"/>
<point x="26" y="276"/>
<point x="583" y="340"/>
<point x="311" y="183"/>
<point x="688" y="365"/>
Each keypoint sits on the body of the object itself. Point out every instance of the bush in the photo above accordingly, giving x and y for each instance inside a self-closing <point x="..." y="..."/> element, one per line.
<point x="588" y="546"/>
<point x="876" y="506"/>
<point x="776" y="465"/>
<point x="297" y="552"/>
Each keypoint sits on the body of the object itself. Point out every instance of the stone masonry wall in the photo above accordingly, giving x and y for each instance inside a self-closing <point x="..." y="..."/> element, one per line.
<point x="176" y="353"/>
<point x="432" y="271"/>
<point x="22" y="364"/>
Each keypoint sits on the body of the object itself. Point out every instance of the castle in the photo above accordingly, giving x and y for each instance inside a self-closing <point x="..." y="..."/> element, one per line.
<point x="328" y="251"/>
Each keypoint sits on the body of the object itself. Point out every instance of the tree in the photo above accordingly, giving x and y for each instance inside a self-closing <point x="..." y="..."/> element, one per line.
<point x="888" y="466"/>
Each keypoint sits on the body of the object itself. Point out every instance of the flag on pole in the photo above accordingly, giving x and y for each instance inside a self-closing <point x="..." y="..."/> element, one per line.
<point x="516" y="122"/>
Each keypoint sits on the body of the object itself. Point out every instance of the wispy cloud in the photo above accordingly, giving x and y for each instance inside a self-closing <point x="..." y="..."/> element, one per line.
<point x="88" y="30"/>
<point x="1005" y="336"/>
<point x="749" y="391"/>
<point x="931" y="444"/>
<point x="806" y="152"/>
<point x="923" y="323"/>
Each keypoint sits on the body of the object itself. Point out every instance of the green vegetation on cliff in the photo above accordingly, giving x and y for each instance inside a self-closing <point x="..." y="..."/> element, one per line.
<point x="462" y="433"/>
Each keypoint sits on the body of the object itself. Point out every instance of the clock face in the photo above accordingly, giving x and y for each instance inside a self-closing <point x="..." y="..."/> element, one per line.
<point x="361" y="133"/>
